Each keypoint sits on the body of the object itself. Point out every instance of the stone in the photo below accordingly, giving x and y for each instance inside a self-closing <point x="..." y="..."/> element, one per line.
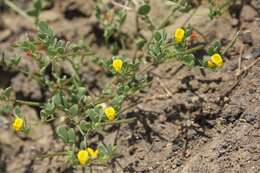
<point x="248" y="14"/>
<point x="246" y="37"/>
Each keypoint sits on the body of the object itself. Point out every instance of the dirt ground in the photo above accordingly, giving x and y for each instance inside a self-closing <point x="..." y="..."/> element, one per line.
<point x="206" y="121"/>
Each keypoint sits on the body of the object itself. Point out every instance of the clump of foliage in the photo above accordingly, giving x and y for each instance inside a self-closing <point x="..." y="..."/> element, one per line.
<point x="83" y="114"/>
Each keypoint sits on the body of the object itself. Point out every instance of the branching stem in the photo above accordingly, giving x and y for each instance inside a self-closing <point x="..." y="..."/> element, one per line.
<point x="18" y="10"/>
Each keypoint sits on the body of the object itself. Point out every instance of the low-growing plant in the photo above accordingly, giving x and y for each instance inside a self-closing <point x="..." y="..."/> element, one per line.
<point x="82" y="113"/>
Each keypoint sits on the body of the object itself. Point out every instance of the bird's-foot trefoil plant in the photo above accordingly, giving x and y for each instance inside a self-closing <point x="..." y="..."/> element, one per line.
<point x="83" y="113"/>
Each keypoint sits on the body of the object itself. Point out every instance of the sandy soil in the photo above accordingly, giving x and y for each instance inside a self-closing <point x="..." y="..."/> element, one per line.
<point x="206" y="122"/>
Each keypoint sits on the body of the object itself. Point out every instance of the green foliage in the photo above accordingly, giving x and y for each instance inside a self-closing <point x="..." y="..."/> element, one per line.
<point x="78" y="112"/>
<point x="5" y="94"/>
<point x="67" y="135"/>
<point x="217" y="10"/>
<point x="144" y="9"/>
<point x="38" y="6"/>
<point x="111" y="20"/>
<point x="158" y="47"/>
<point x="214" y="48"/>
<point x="10" y="62"/>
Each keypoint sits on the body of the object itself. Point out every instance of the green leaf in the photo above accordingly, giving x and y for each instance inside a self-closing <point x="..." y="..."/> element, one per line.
<point x="110" y="149"/>
<point x="84" y="126"/>
<point x="215" y="48"/>
<point x="144" y="9"/>
<point x="71" y="157"/>
<point x="47" y="114"/>
<point x="7" y="92"/>
<point x="157" y="36"/>
<point x="81" y="91"/>
<point x="38" y="4"/>
<point x="140" y="43"/>
<point x="33" y="12"/>
<point x="27" y="46"/>
<point x="189" y="60"/>
<point x="117" y="101"/>
<point x="82" y="145"/>
<point x="44" y="29"/>
<point x="74" y="109"/>
<point x="17" y="111"/>
<point x="63" y="134"/>
<point x="95" y="114"/>
<point x="71" y="136"/>
<point x="102" y="156"/>
<point x="57" y="100"/>
<point x="14" y="61"/>
<point x="6" y="109"/>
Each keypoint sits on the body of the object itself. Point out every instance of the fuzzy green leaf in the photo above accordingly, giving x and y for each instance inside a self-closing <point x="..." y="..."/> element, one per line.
<point x="144" y="9"/>
<point x="63" y="134"/>
<point x="71" y="136"/>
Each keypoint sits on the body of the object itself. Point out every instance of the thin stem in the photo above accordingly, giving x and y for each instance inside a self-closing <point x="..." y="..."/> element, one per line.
<point x="149" y="22"/>
<point x="166" y="20"/>
<point x="231" y="44"/>
<point x="121" y="6"/>
<point x="29" y="103"/>
<point x="118" y="122"/>
<point x="102" y="100"/>
<point x="79" y="54"/>
<point x="190" y="17"/>
<point x="74" y="68"/>
<point x="191" y="50"/>
<point x="128" y="107"/>
<point x="18" y="10"/>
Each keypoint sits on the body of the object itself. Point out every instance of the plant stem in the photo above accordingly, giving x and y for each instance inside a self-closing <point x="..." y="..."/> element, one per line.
<point x="18" y="10"/>
<point x="76" y="73"/>
<point x="149" y="22"/>
<point x="51" y="155"/>
<point x="29" y="103"/>
<point x="118" y="122"/>
<point x="166" y="20"/>
<point x="80" y="54"/>
<point x="231" y="44"/>
<point x="191" y="50"/>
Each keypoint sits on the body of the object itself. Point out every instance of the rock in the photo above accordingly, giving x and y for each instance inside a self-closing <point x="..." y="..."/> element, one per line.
<point x="29" y="88"/>
<point x="246" y="37"/>
<point x="162" y="118"/>
<point x="49" y="16"/>
<point x="4" y="34"/>
<point x="39" y="131"/>
<point x="194" y="84"/>
<point x="204" y="88"/>
<point x="232" y="113"/>
<point x="252" y="53"/>
<point x="248" y="14"/>
<point x="213" y="86"/>
<point x="191" y="134"/>
<point x="250" y="118"/>
<point x="234" y="22"/>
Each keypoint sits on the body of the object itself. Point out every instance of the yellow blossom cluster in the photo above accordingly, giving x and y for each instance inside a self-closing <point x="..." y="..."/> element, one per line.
<point x="84" y="155"/>
<point x="215" y="61"/>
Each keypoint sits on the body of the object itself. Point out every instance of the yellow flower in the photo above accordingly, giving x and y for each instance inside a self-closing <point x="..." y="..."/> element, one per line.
<point x="117" y="65"/>
<point x="92" y="153"/>
<point x="110" y="113"/>
<point x="179" y="35"/>
<point x="18" y="124"/>
<point x="82" y="157"/>
<point x="215" y="61"/>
